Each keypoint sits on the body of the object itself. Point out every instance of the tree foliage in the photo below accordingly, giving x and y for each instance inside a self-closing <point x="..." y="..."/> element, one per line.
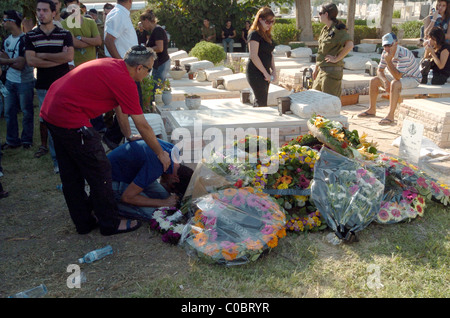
<point x="184" y="18"/>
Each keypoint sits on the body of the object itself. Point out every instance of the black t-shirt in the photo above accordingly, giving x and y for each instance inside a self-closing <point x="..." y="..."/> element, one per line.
<point x="36" y="40"/>
<point x="142" y="36"/>
<point x="245" y="33"/>
<point x="158" y="34"/>
<point x="228" y="32"/>
<point x="446" y="70"/>
<point x="264" y="52"/>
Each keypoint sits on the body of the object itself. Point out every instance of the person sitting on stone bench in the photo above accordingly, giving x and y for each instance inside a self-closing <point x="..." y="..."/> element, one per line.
<point x="436" y="58"/>
<point x="403" y="72"/>
<point x="135" y="170"/>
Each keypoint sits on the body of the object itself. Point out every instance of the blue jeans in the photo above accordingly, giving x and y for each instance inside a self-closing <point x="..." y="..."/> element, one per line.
<point x="161" y="72"/>
<point x="19" y="95"/>
<point x="228" y="42"/>
<point x="51" y="146"/>
<point x="154" y="191"/>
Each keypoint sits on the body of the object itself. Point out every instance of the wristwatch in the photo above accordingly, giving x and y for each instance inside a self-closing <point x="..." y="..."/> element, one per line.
<point x="79" y="37"/>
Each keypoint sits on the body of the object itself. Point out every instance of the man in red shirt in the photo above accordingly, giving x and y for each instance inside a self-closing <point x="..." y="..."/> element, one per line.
<point x="91" y="89"/>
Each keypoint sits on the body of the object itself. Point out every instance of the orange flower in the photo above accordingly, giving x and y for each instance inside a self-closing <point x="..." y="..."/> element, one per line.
<point x="281" y="233"/>
<point x="271" y="240"/>
<point x="211" y="249"/>
<point x="230" y="253"/>
<point x="198" y="215"/>
<point x="286" y="179"/>
<point x="200" y="239"/>
<point x="230" y="192"/>
<point x="254" y="245"/>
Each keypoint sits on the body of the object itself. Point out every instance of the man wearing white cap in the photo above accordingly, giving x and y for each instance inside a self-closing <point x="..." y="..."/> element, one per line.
<point x="403" y="72"/>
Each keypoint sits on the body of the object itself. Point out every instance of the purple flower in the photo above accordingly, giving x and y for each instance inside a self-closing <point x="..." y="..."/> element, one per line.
<point x="238" y="200"/>
<point x="267" y="230"/>
<point x="253" y="200"/>
<point x="422" y="182"/>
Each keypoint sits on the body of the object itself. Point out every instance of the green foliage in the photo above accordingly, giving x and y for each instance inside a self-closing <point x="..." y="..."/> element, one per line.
<point x="411" y="28"/>
<point x="285" y="21"/>
<point x="285" y="33"/>
<point x="208" y="51"/>
<point x="147" y="86"/>
<point x="184" y="18"/>
<point x="364" y="32"/>
<point x="396" y="14"/>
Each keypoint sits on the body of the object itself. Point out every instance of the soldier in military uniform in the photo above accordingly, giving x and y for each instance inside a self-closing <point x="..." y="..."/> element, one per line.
<point x="208" y="31"/>
<point x="334" y="45"/>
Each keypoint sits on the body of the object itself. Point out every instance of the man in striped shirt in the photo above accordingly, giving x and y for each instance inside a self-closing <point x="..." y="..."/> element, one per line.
<point x="49" y="49"/>
<point x="398" y="69"/>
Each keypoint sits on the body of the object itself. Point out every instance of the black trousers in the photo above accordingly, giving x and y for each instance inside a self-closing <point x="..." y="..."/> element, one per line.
<point x="83" y="158"/>
<point x="260" y="88"/>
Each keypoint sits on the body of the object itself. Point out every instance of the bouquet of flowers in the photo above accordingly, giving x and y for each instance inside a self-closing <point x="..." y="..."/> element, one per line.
<point x="234" y="226"/>
<point x="170" y="222"/>
<point x="400" y="205"/>
<point x="400" y="172"/>
<point x="338" y="138"/>
<point x="347" y="193"/>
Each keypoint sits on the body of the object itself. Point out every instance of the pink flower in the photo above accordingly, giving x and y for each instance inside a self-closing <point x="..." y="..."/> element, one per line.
<point x="422" y="182"/>
<point x="353" y="189"/>
<point x="383" y="215"/>
<point x="446" y="192"/>
<point x="435" y="187"/>
<point x="227" y="244"/>
<point x="396" y="213"/>
<point x="253" y="200"/>
<point x="408" y="171"/>
<point x="238" y="200"/>
<point x="361" y="172"/>
<point x="303" y="182"/>
<point x="409" y="196"/>
<point x="267" y="230"/>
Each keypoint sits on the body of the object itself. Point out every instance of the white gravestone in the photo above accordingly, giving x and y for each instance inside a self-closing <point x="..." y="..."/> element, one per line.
<point x="411" y="141"/>
<point x="235" y="82"/>
<point x="178" y="55"/>
<point x="281" y="49"/>
<point x="356" y="62"/>
<point x="214" y="73"/>
<point x="200" y="65"/>
<point x="187" y="60"/>
<point x="305" y="104"/>
<point x="301" y="52"/>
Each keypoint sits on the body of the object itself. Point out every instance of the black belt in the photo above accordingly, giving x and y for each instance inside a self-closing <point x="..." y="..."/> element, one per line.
<point x="331" y="68"/>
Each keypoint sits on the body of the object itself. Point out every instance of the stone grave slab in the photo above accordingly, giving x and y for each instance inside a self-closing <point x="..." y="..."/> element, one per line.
<point x="214" y="73"/>
<point x="356" y="80"/>
<point x="356" y="62"/>
<point x="205" y="92"/>
<point x="200" y="65"/>
<point x="433" y="113"/>
<point x="249" y="120"/>
<point x="281" y="49"/>
<point x="178" y="55"/>
<point x="305" y="104"/>
<point x="185" y="81"/>
<point x="188" y="60"/>
<point x="301" y="52"/>
<point x="235" y="82"/>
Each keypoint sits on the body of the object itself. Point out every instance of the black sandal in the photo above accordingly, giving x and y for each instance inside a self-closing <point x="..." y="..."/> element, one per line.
<point x="41" y="152"/>
<point x="117" y="231"/>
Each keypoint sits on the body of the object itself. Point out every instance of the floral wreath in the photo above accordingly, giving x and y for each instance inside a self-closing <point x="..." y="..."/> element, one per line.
<point x="399" y="171"/>
<point x="409" y="206"/>
<point x="169" y="221"/>
<point x="216" y="232"/>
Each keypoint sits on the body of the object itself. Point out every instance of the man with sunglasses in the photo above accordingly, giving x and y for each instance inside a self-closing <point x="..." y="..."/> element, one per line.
<point x="93" y="88"/>
<point x="403" y="72"/>
<point x="19" y="84"/>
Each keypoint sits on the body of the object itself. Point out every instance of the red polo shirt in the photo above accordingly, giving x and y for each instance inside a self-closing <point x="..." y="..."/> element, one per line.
<point x="89" y="90"/>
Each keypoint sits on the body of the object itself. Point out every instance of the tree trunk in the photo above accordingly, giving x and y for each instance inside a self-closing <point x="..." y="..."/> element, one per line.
<point x="387" y="9"/>
<point x="303" y="18"/>
<point x="351" y="11"/>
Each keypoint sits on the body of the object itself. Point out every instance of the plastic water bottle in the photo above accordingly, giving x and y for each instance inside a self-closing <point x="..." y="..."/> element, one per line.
<point x="430" y="77"/>
<point x="35" y="292"/>
<point x="96" y="255"/>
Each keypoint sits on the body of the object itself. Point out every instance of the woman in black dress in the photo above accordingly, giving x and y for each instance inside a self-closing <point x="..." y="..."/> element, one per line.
<point x="261" y="67"/>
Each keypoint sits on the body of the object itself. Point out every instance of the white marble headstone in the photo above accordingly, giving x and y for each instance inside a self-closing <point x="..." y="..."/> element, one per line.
<point x="214" y="73"/>
<point x="301" y="52"/>
<point x="187" y="60"/>
<point x="178" y="55"/>
<point x="201" y="65"/>
<point x="281" y="49"/>
<point x="305" y="104"/>
<point x="356" y="62"/>
<point x="235" y="82"/>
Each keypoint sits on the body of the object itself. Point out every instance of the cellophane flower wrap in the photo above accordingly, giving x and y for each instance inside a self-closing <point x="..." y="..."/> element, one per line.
<point x="406" y="190"/>
<point x="347" y="192"/>
<point x="234" y="226"/>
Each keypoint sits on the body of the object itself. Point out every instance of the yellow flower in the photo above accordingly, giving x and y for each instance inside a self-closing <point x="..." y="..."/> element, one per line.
<point x="308" y="159"/>
<point x="319" y="122"/>
<point x="283" y="186"/>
